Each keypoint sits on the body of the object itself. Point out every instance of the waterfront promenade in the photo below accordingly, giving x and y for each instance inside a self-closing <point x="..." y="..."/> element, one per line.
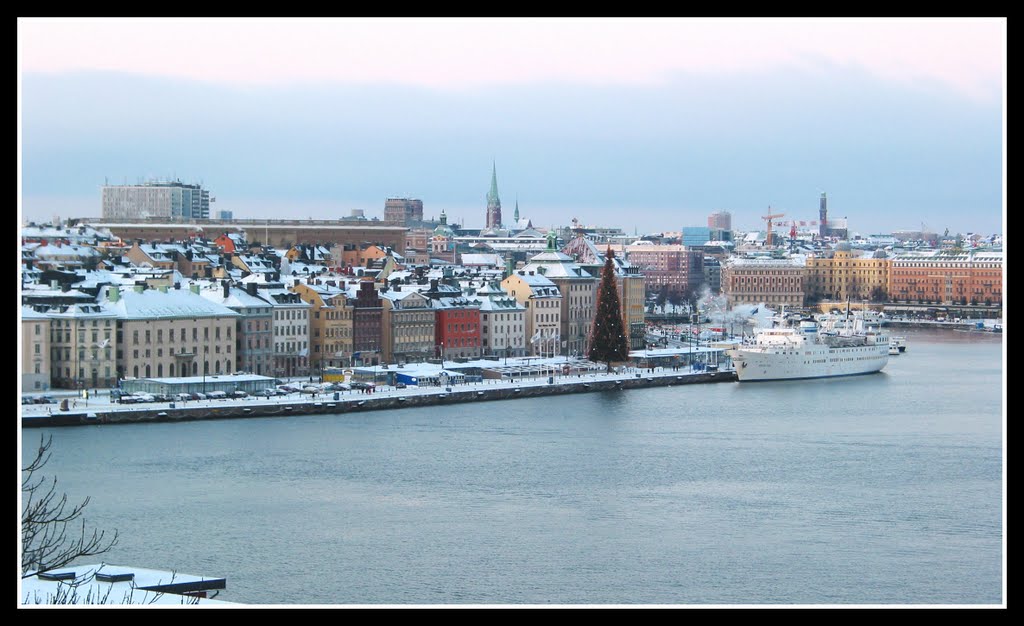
<point x="100" y="410"/>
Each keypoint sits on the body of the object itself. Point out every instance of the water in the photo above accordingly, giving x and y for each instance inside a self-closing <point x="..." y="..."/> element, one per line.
<point x="879" y="489"/>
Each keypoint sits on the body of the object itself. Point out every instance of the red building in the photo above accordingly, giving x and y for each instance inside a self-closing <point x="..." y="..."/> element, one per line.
<point x="457" y="327"/>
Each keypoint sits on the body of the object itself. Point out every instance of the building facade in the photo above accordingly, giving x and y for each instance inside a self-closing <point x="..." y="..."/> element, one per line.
<point x="156" y="199"/>
<point x="254" y="335"/>
<point x="170" y="333"/>
<point x="721" y="220"/>
<point x="775" y="282"/>
<point x="675" y="267"/>
<point x="330" y="325"/>
<point x="542" y="302"/>
<point x="954" y="277"/>
<point x="847" y="274"/>
<point x="35" y="350"/>
<point x="367" y="312"/>
<point x="502" y="323"/>
<point x="291" y="335"/>
<point x="457" y="327"/>
<point x="407" y="326"/>
<point x="579" y="297"/>
<point x="403" y="210"/>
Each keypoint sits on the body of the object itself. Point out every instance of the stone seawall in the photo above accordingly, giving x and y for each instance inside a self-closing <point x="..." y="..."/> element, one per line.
<point x="358" y="403"/>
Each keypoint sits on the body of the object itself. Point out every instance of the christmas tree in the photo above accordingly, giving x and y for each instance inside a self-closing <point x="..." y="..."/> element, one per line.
<point x="608" y="336"/>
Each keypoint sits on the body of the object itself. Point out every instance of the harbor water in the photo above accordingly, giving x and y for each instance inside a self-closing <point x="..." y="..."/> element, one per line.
<point x="869" y="490"/>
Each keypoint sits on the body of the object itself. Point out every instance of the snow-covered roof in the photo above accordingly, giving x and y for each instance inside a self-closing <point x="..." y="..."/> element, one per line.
<point x="107" y="584"/>
<point x="534" y="280"/>
<point x="173" y="303"/>
<point x="237" y="298"/>
<point x="492" y="260"/>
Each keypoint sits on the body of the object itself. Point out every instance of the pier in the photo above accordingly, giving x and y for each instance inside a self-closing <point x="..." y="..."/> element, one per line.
<point x="349" y="402"/>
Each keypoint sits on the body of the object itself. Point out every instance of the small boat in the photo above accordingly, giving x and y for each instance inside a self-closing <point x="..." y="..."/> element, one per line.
<point x="899" y="342"/>
<point x="893" y="350"/>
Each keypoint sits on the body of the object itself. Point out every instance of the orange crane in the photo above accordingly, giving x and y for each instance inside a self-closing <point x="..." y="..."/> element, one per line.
<point x="768" y="218"/>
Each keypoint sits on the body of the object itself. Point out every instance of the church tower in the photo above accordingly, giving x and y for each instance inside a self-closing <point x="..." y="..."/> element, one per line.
<point x="493" y="202"/>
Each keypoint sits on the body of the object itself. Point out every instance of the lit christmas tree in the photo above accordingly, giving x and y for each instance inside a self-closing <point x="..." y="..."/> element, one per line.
<point x="607" y="336"/>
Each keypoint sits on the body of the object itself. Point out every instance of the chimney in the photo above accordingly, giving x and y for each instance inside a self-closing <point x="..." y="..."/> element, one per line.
<point x="177" y="285"/>
<point x="53" y="284"/>
<point x="227" y="288"/>
<point x="113" y="293"/>
<point x="433" y="284"/>
<point x="250" y="288"/>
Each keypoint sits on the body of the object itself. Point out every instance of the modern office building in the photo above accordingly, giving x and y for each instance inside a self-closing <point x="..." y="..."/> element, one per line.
<point x="156" y="199"/>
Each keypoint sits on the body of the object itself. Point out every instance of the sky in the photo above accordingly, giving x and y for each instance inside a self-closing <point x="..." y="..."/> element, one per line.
<point x="648" y="125"/>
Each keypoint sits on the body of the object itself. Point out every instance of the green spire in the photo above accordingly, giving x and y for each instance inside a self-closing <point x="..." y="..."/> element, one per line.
<point x="516" y="214"/>
<point x="492" y="195"/>
<point x="552" y="239"/>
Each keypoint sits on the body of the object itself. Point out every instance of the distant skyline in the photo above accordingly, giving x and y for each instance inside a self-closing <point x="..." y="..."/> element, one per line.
<point x="645" y="124"/>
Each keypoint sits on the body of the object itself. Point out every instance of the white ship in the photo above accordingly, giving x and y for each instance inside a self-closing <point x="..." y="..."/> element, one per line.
<point x="804" y="352"/>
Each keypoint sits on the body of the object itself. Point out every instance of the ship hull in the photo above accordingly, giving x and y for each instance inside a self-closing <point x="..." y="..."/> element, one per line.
<point x="800" y="363"/>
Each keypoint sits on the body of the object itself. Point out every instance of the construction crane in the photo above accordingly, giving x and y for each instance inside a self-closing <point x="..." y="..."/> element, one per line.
<point x="768" y="218"/>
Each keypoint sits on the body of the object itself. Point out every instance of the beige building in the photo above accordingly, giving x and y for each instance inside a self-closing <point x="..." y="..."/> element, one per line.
<point x="775" y="282"/>
<point x="171" y="333"/>
<point x="407" y="326"/>
<point x="502" y="323"/>
<point x="330" y="324"/>
<point x="35" y="350"/>
<point x="579" y="296"/>
<point x="845" y="274"/>
<point x="83" y="346"/>
<point x="543" y="303"/>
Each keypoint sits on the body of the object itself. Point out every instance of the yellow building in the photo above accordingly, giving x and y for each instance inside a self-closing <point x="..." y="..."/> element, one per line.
<point x="846" y="274"/>
<point x="330" y="325"/>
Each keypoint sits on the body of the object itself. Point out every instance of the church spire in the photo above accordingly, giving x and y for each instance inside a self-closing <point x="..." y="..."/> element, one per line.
<point x="493" y="201"/>
<point x="515" y="215"/>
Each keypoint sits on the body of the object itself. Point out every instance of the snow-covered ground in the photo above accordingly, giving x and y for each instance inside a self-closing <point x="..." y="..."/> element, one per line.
<point x="102" y="402"/>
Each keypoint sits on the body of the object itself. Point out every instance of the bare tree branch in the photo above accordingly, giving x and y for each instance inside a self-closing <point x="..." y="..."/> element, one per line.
<point x="50" y="538"/>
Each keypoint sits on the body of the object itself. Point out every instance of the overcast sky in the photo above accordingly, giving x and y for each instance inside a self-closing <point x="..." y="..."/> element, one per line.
<point x="645" y="124"/>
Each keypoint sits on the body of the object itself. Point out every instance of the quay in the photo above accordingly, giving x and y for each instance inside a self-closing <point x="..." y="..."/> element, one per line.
<point x="349" y="402"/>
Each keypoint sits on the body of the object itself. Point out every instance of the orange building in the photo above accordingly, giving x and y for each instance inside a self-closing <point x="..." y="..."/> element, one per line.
<point x="947" y="277"/>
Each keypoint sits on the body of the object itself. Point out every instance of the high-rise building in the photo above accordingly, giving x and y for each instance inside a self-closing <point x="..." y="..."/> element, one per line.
<point x="823" y="216"/>
<point x="160" y="199"/>
<point x="403" y="210"/>
<point x="721" y="220"/>
<point x="493" y="201"/>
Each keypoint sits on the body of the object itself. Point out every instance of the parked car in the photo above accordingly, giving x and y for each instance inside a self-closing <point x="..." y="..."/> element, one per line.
<point x="216" y="395"/>
<point x="198" y="396"/>
<point x="238" y="393"/>
<point x="399" y="385"/>
<point x="181" y="397"/>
